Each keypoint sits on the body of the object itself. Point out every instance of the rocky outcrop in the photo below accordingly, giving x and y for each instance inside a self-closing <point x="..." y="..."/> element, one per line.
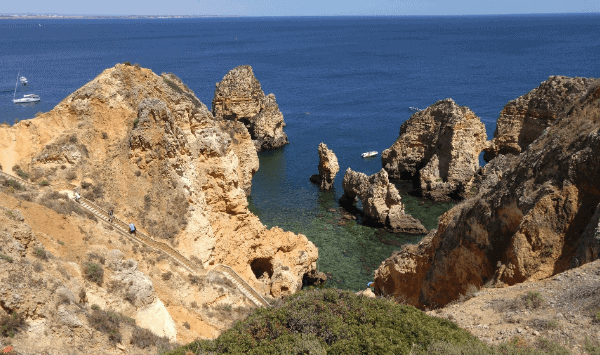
<point x="438" y="148"/>
<point x="524" y="119"/>
<point x="239" y="97"/>
<point x="144" y="146"/>
<point x="381" y="201"/>
<point x="328" y="168"/>
<point x="535" y="214"/>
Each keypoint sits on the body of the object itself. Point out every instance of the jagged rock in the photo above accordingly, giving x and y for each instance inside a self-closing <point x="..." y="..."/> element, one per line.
<point x="239" y="97"/>
<point x="367" y="293"/>
<point x="536" y="214"/>
<point x="328" y="168"/>
<point x="523" y="120"/>
<point x="439" y="149"/>
<point x="314" y="277"/>
<point x="381" y="201"/>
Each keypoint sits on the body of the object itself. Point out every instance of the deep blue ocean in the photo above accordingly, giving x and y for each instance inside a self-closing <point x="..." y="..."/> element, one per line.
<point x="345" y="81"/>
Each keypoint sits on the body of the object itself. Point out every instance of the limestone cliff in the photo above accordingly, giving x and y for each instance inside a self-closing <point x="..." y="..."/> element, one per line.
<point x="381" y="201"/>
<point x="439" y="149"/>
<point x="523" y="120"/>
<point x="239" y="97"/>
<point x="144" y="146"/>
<point x="328" y="168"/>
<point x="534" y="215"/>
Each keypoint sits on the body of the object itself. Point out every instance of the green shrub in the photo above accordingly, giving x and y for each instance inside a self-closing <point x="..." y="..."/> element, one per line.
<point x="143" y="338"/>
<point x="331" y="321"/>
<point x="135" y="122"/>
<point x="108" y="323"/>
<point x="128" y="63"/>
<point x="11" y="323"/>
<point x="137" y="66"/>
<point x="23" y="175"/>
<point x="40" y="253"/>
<point x="94" y="272"/>
<point x="533" y="299"/>
<point x="7" y="258"/>
<point x="73" y="139"/>
<point x="44" y="183"/>
<point x="11" y="183"/>
<point x="104" y="135"/>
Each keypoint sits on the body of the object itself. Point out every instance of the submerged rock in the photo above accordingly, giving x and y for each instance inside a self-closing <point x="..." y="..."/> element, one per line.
<point x="438" y="148"/>
<point x="381" y="201"/>
<point x="239" y="97"/>
<point x="524" y="119"/>
<point x="328" y="168"/>
<point x="536" y="214"/>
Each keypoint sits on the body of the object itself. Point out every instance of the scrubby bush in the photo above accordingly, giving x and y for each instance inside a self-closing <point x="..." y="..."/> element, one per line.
<point x="127" y="63"/>
<point x="143" y="338"/>
<point x="10" y="324"/>
<point x="73" y="139"/>
<point x="93" y="272"/>
<point x="137" y="66"/>
<point x="333" y="321"/>
<point x="23" y="175"/>
<point x="44" y="183"/>
<point x="104" y="135"/>
<point x="108" y="322"/>
<point x="40" y="253"/>
<point x="61" y="203"/>
<point x="533" y="299"/>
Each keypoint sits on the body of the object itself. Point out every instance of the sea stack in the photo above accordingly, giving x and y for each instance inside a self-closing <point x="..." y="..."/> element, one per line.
<point x="535" y="214"/>
<point x="381" y="201"/>
<point x="438" y="148"/>
<point x="328" y="168"/>
<point x="239" y="97"/>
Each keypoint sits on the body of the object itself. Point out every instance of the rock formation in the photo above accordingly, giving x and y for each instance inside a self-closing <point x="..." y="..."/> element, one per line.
<point x="328" y="168"/>
<point x="523" y="120"/>
<point x="239" y="97"/>
<point x="144" y="146"/>
<point x="381" y="201"/>
<point x="535" y="214"/>
<point x="439" y="149"/>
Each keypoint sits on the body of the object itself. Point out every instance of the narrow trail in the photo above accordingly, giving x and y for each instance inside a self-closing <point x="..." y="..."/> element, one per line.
<point x="122" y="228"/>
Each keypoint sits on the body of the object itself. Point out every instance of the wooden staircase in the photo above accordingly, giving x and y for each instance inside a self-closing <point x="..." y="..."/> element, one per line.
<point x="122" y="228"/>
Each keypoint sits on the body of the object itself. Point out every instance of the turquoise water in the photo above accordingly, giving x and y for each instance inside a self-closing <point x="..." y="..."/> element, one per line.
<point x="349" y="252"/>
<point x="345" y="81"/>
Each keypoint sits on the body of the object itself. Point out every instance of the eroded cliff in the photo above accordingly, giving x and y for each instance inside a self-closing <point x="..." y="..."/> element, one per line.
<point x="533" y="215"/>
<point x="145" y="147"/>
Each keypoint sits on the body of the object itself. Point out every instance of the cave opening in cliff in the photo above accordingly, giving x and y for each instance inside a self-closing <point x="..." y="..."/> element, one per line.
<point x="260" y="266"/>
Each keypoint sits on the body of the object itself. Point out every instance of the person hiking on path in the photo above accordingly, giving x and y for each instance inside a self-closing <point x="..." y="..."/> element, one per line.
<point x="110" y="215"/>
<point x="131" y="228"/>
<point x="77" y="196"/>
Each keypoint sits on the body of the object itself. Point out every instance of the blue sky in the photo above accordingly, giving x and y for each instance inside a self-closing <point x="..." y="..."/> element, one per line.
<point x="301" y="7"/>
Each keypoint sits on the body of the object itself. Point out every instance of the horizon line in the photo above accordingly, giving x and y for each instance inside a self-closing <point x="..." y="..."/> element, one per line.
<point x="29" y="14"/>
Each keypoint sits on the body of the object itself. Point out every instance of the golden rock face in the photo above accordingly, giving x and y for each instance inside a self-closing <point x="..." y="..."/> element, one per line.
<point x="534" y="215"/>
<point x="145" y="147"/>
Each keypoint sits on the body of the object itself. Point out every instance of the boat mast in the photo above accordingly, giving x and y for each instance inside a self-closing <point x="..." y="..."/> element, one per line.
<point x="16" y="86"/>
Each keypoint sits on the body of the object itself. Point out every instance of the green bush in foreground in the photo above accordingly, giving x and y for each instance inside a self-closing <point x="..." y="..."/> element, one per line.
<point x="329" y="321"/>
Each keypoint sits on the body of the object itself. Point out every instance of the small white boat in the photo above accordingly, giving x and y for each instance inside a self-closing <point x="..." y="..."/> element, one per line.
<point x="27" y="98"/>
<point x="369" y="154"/>
<point x="23" y="80"/>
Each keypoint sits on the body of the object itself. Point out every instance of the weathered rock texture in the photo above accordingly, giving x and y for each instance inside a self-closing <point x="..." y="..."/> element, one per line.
<point x="146" y="147"/>
<point x="524" y="119"/>
<point x="535" y="214"/>
<point x="239" y="97"/>
<point x="381" y="201"/>
<point x="439" y="149"/>
<point x="328" y="168"/>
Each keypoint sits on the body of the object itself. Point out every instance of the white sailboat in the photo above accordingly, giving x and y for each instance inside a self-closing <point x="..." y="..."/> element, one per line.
<point x="23" y="80"/>
<point x="26" y="98"/>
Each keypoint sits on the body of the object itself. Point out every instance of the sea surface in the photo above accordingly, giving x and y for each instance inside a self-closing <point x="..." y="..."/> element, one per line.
<point x="345" y="81"/>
